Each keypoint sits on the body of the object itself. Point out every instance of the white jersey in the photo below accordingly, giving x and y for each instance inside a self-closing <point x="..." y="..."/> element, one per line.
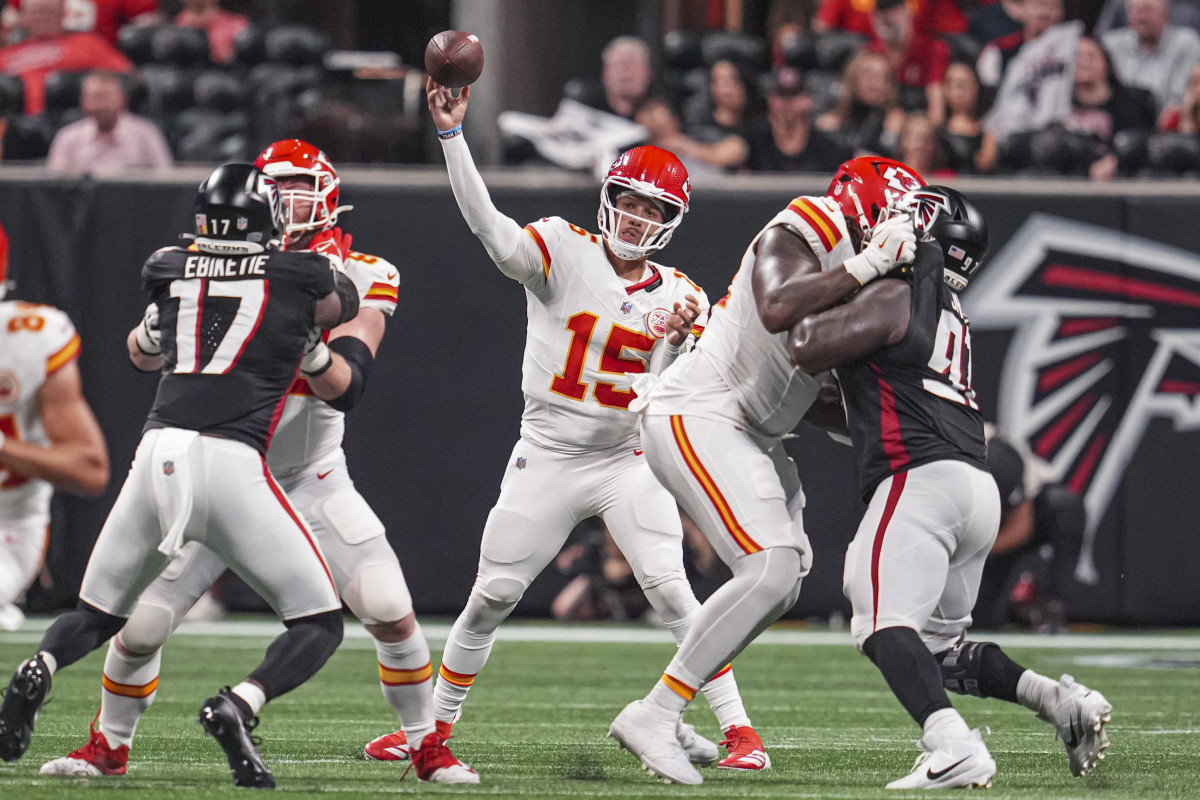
<point x="739" y="372"/>
<point x="35" y="341"/>
<point x="587" y="330"/>
<point x="309" y="428"/>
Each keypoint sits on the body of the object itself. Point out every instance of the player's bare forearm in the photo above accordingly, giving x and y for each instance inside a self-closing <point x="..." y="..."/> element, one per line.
<point x="1015" y="529"/>
<point x="333" y="382"/>
<point x="77" y="458"/>
<point x="875" y="318"/>
<point x="142" y="361"/>
<point x="788" y="282"/>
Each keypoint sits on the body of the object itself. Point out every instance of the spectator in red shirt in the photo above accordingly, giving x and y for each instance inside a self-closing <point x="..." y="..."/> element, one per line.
<point x="917" y="61"/>
<point x="104" y="17"/>
<point x="48" y="48"/>
<point x="221" y="26"/>
<point x="932" y="17"/>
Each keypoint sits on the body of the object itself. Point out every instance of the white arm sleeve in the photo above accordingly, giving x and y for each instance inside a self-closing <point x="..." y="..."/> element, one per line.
<point x="664" y="355"/>
<point x="515" y="254"/>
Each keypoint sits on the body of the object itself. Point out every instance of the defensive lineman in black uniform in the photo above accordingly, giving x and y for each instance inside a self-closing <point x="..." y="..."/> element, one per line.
<point x="902" y="353"/>
<point x="229" y="324"/>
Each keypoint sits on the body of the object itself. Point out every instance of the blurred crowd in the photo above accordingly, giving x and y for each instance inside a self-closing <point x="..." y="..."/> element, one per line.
<point x="1010" y="87"/>
<point x="1014" y="87"/>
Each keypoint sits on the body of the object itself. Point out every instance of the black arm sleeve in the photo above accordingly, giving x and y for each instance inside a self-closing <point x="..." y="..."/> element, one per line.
<point x="348" y="293"/>
<point x="358" y="357"/>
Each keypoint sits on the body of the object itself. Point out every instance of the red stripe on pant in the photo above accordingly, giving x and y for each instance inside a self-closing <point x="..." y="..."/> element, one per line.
<point x="287" y="506"/>
<point x="889" y="508"/>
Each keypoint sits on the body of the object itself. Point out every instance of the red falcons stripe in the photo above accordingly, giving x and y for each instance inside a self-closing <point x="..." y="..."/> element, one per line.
<point x="889" y="425"/>
<point x="283" y="501"/>
<point x="199" y="317"/>
<point x="889" y="508"/>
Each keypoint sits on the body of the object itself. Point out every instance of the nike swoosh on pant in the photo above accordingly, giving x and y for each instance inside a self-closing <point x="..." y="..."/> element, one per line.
<point x="933" y="776"/>
<point x="323" y="475"/>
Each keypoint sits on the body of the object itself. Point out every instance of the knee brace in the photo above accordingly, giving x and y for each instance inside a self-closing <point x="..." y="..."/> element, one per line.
<point x="378" y="594"/>
<point x="962" y="667"/>
<point x="149" y="627"/>
<point x="499" y="592"/>
<point x="675" y="604"/>
<point x="776" y="572"/>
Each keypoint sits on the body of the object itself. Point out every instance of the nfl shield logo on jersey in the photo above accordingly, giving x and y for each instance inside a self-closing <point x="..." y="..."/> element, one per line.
<point x="520" y="462"/>
<point x="242" y="222"/>
<point x="656" y="322"/>
<point x="168" y="468"/>
<point x="626" y="307"/>
<point x="10" y="387"/>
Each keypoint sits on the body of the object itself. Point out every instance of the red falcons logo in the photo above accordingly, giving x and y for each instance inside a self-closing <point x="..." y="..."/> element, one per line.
<point x="1106" y="339"/>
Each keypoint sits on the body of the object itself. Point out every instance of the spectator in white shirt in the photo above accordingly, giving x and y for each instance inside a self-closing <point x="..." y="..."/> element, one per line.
<point x="1153" y="54"/>
<point x="109" y="138"/>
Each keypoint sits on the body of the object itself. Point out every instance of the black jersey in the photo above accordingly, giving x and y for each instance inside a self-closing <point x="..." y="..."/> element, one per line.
<point x="233" y="333"/>
<point x="911" y="403"/>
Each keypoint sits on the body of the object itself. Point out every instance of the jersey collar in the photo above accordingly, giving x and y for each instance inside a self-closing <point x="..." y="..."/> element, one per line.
<point x="650" y="283"/>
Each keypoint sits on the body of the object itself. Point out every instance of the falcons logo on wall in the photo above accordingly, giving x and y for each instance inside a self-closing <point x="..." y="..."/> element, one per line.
<point x="1107" y="337"/>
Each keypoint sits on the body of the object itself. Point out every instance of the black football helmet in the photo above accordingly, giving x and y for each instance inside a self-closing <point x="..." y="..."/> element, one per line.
<point x="238" y="210"/>
<point x="945" y="215"/>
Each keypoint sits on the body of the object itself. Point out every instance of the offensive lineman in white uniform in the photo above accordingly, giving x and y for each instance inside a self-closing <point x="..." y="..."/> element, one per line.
<point x="307" y="459"/>
<point x="597" y="309"/>
<point x="49" y="437"/>
<point x="712" y="427"/>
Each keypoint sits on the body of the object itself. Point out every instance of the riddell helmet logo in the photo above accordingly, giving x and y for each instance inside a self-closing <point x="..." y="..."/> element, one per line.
<point x="1106" y="338"/>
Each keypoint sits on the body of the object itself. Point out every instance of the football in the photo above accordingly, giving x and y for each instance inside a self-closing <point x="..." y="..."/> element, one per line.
<point x="454" y="58"/>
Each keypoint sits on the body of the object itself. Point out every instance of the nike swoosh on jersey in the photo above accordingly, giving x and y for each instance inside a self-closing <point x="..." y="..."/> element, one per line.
<point x="323" y="475"/>
<point x="391" y="275"/>
<point x="638" y="452"/>
<point x="933" y="776"/>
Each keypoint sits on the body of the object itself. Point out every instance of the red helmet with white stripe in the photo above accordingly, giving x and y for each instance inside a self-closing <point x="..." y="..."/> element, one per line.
<point x="865" y="186"/>
<point x="293" y="157"/>
<point x="652" y="173"/>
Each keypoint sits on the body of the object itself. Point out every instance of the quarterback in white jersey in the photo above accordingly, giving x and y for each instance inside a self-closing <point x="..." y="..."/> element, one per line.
<point x="49" y="437"/>
<point x="598" y="309"/>
<point x="306" y="458"/>
<point x="712" y="427"/>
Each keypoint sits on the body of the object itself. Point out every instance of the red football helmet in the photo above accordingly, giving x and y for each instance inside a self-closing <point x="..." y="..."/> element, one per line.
<point x="865" y="186"/>
<point x="653" y="173"/>
<point x="290" y="157"/>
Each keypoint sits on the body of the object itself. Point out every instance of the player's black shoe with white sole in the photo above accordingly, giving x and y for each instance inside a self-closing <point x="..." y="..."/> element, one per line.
<point x="221" y="719"/>
<point x="25" y="695"/>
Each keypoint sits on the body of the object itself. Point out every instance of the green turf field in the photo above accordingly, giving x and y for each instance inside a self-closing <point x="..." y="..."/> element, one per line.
<point x="535" y="723"/>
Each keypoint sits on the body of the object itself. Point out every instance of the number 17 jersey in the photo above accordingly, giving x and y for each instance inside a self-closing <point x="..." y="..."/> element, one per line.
<point x="233" y="333"/>
<point x="587" y="330"/>
<point x="912" y="403"/>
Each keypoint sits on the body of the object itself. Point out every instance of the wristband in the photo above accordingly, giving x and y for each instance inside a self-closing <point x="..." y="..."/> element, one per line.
<point x="317" y="362"/>
<point x="450" y="134"/>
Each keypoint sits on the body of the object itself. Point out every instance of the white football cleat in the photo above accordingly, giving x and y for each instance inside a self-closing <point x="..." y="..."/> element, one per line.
<point x="1079" y="715"/>
<point x="949" y="765"/>
<point x="651" y="736"/>
<point x="699" y="750"/>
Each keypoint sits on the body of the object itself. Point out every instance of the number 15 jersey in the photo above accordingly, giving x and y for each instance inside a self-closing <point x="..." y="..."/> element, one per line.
<point x="588" y="329"/>
<point x="912" y="403"/>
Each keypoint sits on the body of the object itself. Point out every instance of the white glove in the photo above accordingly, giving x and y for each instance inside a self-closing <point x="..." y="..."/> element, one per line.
<point x="893" y="242"/>
<point x="317" y="355"/>
<point x="149" y="336"/>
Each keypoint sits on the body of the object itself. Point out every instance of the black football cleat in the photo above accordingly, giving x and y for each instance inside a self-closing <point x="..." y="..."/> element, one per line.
<point x="25" y="695"/>
<point x="220" y="718"/>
